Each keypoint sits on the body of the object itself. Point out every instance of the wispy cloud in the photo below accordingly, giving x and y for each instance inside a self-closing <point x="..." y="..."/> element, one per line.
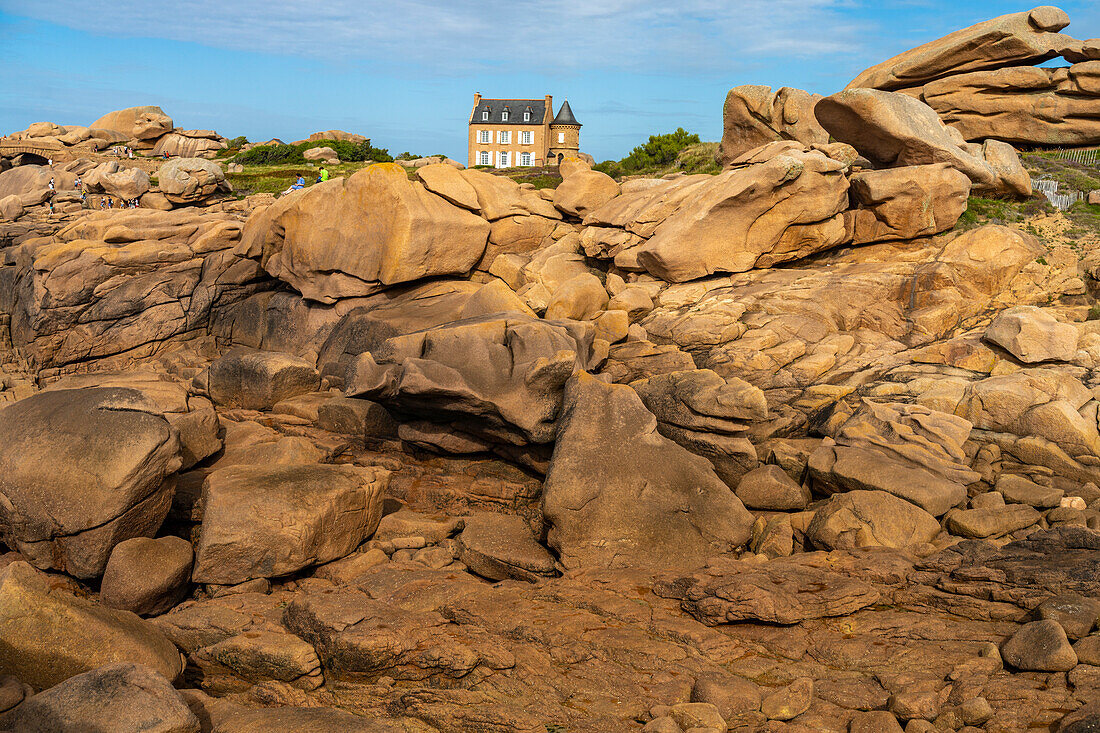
<point x="461" y="36"/>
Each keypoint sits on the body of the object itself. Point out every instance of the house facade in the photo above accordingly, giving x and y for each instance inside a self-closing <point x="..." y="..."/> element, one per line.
<point x="512" y="133"/>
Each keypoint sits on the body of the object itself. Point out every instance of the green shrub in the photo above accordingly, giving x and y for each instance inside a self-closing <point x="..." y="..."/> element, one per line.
<point x="348" y="152"/>
<point x="270" y="155"/>
<point x="610" y="167"/>
<point x="659" y="151"/>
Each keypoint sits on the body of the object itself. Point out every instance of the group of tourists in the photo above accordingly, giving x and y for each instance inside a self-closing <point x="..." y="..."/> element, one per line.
<point x="108" y="202"/>
<point x="123" y="151"/>
<point x="299" y="184"/>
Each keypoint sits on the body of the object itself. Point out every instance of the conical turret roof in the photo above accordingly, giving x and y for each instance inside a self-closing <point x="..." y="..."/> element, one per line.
<point x="565" y="116"/>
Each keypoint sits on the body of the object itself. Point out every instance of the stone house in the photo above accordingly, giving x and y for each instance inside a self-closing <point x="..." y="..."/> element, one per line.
<point x="507" y="133"/>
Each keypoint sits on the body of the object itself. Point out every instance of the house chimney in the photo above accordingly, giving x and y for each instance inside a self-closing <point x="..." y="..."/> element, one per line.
<point x="549" y="108"/>
<point x="477" y="98"/>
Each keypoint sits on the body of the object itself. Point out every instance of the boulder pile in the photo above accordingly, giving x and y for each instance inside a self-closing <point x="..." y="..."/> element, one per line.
<point x="779" y="449"/>
<point x="145" y="128"/>
<point x="984" y="80"/>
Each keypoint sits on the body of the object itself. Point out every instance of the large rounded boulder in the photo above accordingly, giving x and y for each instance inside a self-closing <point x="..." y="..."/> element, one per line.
<point x="82" y="470"/>
<point x="191" y="180"/>
<point x="139" y="123"/>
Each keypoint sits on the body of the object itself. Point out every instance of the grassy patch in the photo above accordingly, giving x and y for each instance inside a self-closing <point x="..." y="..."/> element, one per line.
<point x="981" y="211"/>
<point x="1070" y="176"/>
<point x="1085" y="219"/>
<point x="278" y="178"/>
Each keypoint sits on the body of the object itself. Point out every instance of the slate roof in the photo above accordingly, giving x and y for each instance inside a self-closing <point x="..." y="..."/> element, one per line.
<point x="565" y="116"/>
<point x="515" y="107"/>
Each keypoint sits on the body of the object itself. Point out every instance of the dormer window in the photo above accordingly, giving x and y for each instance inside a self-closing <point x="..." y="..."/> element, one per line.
<point x="504" y="116"/>
<point x="527" y="116"/>
<point x="485" y="116"/>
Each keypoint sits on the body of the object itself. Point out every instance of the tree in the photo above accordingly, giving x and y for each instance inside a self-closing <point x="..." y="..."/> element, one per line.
<point x="661" y="150"/>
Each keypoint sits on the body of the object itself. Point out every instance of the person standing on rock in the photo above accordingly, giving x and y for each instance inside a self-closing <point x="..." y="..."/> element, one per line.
<point x="50" y="185"/>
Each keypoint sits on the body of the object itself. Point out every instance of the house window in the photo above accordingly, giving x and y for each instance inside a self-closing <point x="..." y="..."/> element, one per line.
<point x="561" y="137"/>
<point x="525" y="159"/>
<point x="505" y="137"/>
<point x="527" y="116"/>
<point x="485" y="115"/>
<point x="504" y="116"/>
<point x="503" y="160"/>
<point x="483" y="158"/>
<point x="483" y="137"/>
<point x="526" y="137"/>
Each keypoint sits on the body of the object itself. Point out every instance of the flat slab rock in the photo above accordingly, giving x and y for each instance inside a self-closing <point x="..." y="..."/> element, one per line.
<point x="268" y="521"/>
<point x="1022" y="573"/>
<point x="499" y="546"/>
<point x="779" y="592"/>
<point x="596" y="649"/>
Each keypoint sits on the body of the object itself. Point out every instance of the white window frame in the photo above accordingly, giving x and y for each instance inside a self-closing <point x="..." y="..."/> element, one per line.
<point x="505" y="137"/>
<point x="484" y="115"/>
<point x="484" y="158"/>
<point x="561" y="137"/>
<point x="504" y="116"/>
<point x="484" y="137"/>
<point x="527" y="115"/>
<point x="526" y="137"/>
<point x="504" y="160"/>
<point x="525" y="159"/>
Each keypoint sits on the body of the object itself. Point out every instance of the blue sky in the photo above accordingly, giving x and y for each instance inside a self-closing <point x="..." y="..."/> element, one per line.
<point x="404" y="72"/>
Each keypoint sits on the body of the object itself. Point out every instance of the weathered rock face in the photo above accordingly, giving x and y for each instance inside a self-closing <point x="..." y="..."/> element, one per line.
<point x="618" y="493"/>
<point x="191" y="415"/>
<point x="792" y="329"/>
<point x="191" y="180"/>
<point x="112" y="454"/>
<point x="445" y="180"/>
<point x="908" y="202"/>
<point x="256" y="380"/>
<point x="352" y="238"/>
<point x="499" y="197"/>
<point x="138" y="123"/>
<point x="187" y="144"/>
<point x="499" y="378"/>
<point x="1032" y="106"/>
<point x="755" y="115"/>
<point x="870" y="519"/>
<point x="909" y="451"/>
<point x="27" y="180"/>
<point x="1017" y="39"/>
<point x="264" y="522"/>
<point x="123" y="283"/>
<point x="123" y="697"/>
<point x="983" y="81"/>
<point x="585" y="191"/>
<point x="1033" y="335"/>
<point x="46" y="633"/>
<point x="403" y="311"/>
<point x="707" y="414"/>
<point x="782" y="209"/>
<point x="785" y="591"/>
<point x="893" y="129"/>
